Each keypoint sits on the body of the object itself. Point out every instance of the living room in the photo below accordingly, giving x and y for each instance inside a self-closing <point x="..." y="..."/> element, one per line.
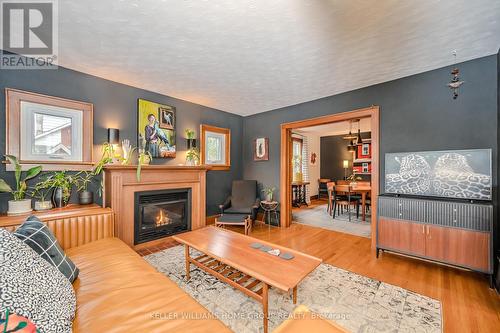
<point x="148" y="169"/>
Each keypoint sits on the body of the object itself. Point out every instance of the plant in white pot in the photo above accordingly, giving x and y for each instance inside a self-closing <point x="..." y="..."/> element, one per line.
<point x="269" y="192"/>
<point x="39" y="193"/>
<point x="20" y="205"/>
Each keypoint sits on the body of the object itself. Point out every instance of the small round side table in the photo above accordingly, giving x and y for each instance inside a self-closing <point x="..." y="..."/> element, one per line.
<point x="270" y="208"/>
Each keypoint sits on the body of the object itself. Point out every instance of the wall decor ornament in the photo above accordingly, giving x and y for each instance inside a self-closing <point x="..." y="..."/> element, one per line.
<point x="261" y="149"/>
<point x="156" y="129"/>
<point x="455" y="82"/>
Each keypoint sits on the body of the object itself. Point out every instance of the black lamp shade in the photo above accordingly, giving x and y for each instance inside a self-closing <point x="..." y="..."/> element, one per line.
<point x="113" y="136"/>
<point x="351" y="147"/>
<point x="191" y="143"/>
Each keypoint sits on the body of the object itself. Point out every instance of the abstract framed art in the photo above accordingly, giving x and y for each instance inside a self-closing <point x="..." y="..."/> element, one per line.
<point x="261" y="149"/>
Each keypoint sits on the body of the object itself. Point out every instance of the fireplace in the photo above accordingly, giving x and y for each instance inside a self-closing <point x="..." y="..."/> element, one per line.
<point x="161" y="213"/>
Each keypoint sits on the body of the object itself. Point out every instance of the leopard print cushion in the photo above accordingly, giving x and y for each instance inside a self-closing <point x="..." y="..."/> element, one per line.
<point x="33" y="288"/>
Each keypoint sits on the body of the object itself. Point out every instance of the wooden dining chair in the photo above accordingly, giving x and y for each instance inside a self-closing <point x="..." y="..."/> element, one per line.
<point x="322" y="188"/>
<point x="363" y="183"/>
<point x="342" y="198"/>
<point x="330" y="187"/>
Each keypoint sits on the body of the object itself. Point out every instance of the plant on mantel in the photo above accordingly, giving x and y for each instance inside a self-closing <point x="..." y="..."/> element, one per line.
<point x="20" y="204"/>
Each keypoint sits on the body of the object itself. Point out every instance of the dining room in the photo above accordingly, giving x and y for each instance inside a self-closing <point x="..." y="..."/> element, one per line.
<point x="331" y="176"/>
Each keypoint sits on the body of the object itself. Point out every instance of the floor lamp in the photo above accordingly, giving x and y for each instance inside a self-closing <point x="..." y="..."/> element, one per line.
<point x="346" y="166"/>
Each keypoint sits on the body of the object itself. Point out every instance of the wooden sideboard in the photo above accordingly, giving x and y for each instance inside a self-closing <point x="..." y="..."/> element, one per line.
<point x="450" y="232"/>
<point x="121" y="183"/>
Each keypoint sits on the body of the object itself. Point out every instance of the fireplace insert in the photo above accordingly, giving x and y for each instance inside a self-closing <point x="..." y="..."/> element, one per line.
<point x="161" y="213"/>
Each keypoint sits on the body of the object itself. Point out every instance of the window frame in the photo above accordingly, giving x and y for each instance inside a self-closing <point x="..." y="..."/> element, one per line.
<point x="14" y="141"/>
<point x="226" y="132"/>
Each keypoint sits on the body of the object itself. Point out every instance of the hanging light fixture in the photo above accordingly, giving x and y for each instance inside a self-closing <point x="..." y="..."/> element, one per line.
<point x="359" y="140"/>
<point x="350" y="136"/>
<point x="351" y="147"/>
<point x="455" y="82"/>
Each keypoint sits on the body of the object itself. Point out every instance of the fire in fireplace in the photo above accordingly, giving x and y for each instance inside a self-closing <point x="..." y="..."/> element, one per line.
<point x="161" y="213"/>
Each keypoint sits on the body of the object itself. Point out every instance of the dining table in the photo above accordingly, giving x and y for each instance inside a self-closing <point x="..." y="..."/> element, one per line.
<point x="362" y="190"/>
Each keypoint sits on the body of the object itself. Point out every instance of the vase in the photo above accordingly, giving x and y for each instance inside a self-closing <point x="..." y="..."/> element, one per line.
<point x="60" y="197"/>
<point x="43" y="205"/>
<point x="17" y="207"/>
<point x="85" y="197"/>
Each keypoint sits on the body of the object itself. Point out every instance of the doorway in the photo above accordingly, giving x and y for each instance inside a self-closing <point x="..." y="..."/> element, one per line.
<point x="287" y="151"/>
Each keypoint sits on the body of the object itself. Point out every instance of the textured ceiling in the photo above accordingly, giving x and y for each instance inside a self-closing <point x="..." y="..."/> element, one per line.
<point x="249" y="56"/>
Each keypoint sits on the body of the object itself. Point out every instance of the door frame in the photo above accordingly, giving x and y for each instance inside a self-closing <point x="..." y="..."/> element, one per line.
<point x="286" y="165"/>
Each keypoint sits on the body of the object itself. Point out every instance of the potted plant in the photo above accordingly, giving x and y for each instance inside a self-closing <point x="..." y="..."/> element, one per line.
<point x="192" y="157"/>
<point x="40" y="192"/>
<point x="269" y="192"/>
<point x="143" y="158"/>
<point x="62" y="185"/>
<point x="83" y="179"/>
<point x="20" y="204"/>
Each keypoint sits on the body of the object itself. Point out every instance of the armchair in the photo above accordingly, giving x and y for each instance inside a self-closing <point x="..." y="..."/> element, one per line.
<point x="243" y="199"/>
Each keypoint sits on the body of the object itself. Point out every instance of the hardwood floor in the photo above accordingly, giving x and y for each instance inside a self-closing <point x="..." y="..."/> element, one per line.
<point x="468" y="303"/>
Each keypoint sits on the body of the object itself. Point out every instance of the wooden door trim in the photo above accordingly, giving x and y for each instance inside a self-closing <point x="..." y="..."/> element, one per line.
<point x="285" y="169"/>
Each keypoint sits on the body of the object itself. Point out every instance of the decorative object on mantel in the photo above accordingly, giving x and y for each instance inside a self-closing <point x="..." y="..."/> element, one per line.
<point x="455" y="82"/>
<point x="156" y="127"/>
<point x="261" y="149"/>
<point x="54" y="132"/>
<point x="143" y="158"/>
<point x="192" y="155"/>
<point x="127" y="151"/>
<point x="20" y="205"/>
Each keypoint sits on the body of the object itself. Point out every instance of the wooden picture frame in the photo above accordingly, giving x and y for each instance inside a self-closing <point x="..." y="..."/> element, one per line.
<point x="261" y="149"/>
<point x="14" y="142"/>
<point x="223" y="137"/>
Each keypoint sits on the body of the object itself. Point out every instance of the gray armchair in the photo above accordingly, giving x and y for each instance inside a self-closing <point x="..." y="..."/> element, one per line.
<point x="243" y="199"/>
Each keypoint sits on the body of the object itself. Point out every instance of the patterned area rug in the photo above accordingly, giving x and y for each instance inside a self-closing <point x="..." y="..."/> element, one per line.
<point x="318" y="217"/>
<point x="357" y="303"/>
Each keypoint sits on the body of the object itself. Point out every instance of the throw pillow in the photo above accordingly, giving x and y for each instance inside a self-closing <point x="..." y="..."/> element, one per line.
<point x="38" y="236"/>
<point x="33" y="288"/>
<point x="11" y="323"/>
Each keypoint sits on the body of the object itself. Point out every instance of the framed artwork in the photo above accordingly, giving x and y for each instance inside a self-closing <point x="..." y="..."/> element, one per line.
<point x="215" y="147"/>
<point x="156" y="128"/>
<point x="261" y="149"/>
<point x="51" y="131"/>
<point x="313" y="160"/>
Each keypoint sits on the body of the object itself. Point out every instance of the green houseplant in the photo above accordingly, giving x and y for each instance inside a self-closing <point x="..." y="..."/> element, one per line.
<point x="143" y="158"/>
<point x="20" y="204"/>
<point x="269" y="192"/>
<point x="62" y="184"/>
<point x="40" y="192"/>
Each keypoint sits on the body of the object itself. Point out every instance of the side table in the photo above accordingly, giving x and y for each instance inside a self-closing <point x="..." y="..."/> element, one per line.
<point x="270" y="208"/>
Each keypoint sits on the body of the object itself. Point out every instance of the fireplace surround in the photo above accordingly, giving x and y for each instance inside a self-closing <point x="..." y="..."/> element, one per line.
<point x="161" y="213"/>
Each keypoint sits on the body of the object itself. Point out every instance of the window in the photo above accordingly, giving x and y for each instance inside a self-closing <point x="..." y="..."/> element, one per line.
<point x="215" y="147"/>
<point x="54" y="132"/>
<point x="50" y="133"/>
<point x="297" y="155"/>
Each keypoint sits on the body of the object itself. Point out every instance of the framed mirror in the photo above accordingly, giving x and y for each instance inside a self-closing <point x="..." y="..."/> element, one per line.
<point x="215" y="146"/>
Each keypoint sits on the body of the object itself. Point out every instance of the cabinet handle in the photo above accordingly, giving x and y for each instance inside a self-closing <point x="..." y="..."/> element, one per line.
<point x="423" y="229"/>
<point x="427" y="230"/>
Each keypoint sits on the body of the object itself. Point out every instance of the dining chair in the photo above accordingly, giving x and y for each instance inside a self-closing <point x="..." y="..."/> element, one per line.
<point x="330" y="187"/>
<point x="322" y="188"/>
<point x="368" y="197"/>
<point x="342" y="196"/>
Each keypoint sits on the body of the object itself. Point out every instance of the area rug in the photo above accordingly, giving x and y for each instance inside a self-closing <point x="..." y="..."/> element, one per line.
<point x="357" y="303"/>
<point x="319" y="217"/>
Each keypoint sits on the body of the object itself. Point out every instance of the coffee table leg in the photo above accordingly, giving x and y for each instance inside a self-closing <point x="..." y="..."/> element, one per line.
<point x="265" y="295"/>
<point x="295" y="295"/>
<point x="186" y="253"/>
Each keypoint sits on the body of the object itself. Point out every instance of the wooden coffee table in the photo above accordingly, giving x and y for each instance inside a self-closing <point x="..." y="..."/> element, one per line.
<point x="227" y="255"/>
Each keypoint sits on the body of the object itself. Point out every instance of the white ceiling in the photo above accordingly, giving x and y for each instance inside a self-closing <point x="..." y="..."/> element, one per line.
<point x="338" y="128"/>
<point x="250" y="56"/>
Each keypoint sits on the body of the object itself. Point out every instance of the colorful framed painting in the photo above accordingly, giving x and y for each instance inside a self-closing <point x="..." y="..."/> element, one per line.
<point x="261" y="149"/>
<point x="156" y="128"/>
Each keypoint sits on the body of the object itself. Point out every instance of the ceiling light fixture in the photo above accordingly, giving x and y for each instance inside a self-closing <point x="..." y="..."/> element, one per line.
<point x="359" y="140"/>
<point x="350" y="136"/>
<point x="455" y="82"/>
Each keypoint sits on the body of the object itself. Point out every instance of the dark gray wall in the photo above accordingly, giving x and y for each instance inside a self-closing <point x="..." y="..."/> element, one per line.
<point x="416" y="113"/>
<point x="333" y="151"/>
<point x="115" y="105"/>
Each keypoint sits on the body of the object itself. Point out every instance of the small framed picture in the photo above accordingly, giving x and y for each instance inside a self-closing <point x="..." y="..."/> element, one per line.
<point x="261" y="149"/>
<point x="314" y="159"/>
<point x="167" y="118"/>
